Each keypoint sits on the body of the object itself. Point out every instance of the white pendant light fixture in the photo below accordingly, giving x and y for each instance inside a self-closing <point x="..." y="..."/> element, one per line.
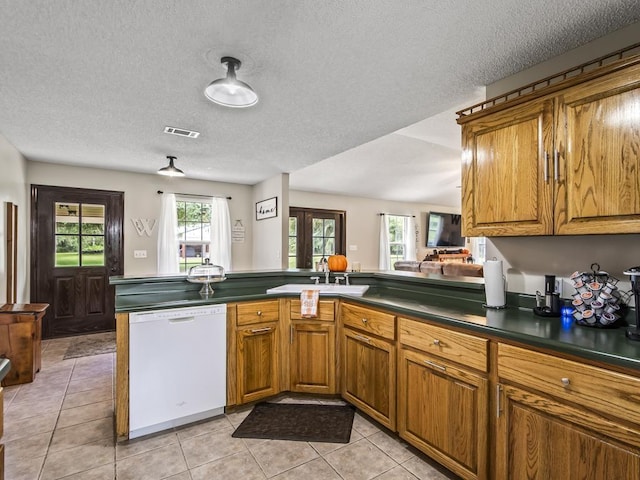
<point x="229" y="91"/>
<point x="171" y="170"/>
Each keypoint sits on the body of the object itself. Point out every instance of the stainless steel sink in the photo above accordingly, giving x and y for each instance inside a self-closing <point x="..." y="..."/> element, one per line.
<point x="5" y="366"/>
<point x="330" y="289"/>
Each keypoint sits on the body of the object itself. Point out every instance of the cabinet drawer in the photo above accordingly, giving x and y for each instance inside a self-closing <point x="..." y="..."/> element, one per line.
<point x="325" y="311"/>
<point x="371" y="321"/>
<point x="459" y="347"/>
<point x="256" y="312"/>
<point x="585" y="386"/>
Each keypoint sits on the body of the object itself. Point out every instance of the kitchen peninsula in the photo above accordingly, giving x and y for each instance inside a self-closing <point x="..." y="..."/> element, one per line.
<point x="414" y="337"/>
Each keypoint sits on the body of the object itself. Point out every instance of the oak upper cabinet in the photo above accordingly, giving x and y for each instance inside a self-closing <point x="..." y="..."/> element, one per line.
<point x="506" y="189"/>
<point x="368" y="362"/>
<point x="443" y="406"/>
<point x="564" y="163"/>
<point x="560" y="419"/>
<point x="598" y="144"/>
<point x="312" y="355"/>
<point x="257" y="350"/>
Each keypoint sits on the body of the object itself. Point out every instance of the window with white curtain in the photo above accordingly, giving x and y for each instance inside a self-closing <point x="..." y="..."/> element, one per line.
<point x="400" y="241"/>
<point x="397" y="241"/>
<point x="194" y="232"/>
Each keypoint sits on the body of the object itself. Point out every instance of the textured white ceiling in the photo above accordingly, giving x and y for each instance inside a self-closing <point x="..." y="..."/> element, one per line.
<point x="94" y="83"/>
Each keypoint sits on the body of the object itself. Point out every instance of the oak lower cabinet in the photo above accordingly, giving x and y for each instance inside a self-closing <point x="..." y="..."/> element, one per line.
<point x="312" y="354"/>
<point x="257" y="350"/>
<point x="369" y="362"/>
<point x="443" y="407"/>
<point x="560" y="419"/>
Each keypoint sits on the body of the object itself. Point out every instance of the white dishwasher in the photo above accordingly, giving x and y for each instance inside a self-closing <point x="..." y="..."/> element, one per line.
<point x="177" y="367"/>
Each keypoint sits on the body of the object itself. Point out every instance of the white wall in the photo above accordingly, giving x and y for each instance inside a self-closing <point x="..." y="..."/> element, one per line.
<point x="363" y="221"/>
<point x="527" y="259"/>
<point x="141" y="201"/>
<point x="13" y="189"/>
<point x="270" y="234"/>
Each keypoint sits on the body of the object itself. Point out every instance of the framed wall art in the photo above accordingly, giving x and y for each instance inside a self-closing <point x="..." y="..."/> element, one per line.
<point x="267" y="208"/>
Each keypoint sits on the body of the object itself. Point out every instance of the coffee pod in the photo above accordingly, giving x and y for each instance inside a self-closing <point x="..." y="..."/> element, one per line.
<point x="604" y="297"/>
<point x="581" y="287"/>
<point x="612" y="308"/>
<point x="587" y="297"/>
<point x="589" y="317"/>
<point x="597" y="306"/>
<point x="576" y="278"/>
<point x="579" y="305"/>
<point x="577" y="315"/>
<point x="609" y="287"/>
<point x="577" y="296"/>
<point x="595" y="287"/>
<point x="607" y="318"/>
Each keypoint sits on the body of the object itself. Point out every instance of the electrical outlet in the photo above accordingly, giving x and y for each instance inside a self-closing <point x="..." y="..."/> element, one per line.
<point x="139" y="254"/>
<point x="353" y="248"/>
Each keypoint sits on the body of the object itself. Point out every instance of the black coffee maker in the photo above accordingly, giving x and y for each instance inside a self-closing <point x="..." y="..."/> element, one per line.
<point x="549" y="306"/>
<point x="633" y="332"/>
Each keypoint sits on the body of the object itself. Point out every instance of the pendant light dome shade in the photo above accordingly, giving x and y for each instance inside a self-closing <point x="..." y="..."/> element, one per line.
<point x="171" y="170"/>
<point x="229" y="91"/>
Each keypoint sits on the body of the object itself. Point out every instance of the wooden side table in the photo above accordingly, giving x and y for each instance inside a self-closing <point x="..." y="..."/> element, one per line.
<point x="21" y="340"/>
<point x="453" y="257"/>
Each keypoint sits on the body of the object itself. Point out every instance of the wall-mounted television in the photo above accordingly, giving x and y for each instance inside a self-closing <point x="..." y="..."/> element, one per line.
<point x="444" y="230"/>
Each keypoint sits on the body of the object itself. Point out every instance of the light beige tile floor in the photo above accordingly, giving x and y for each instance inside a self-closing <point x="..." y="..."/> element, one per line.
<point x="61" y="426"/>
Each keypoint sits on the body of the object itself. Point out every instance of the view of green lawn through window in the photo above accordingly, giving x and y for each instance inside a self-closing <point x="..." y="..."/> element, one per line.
<point x="79" y="235"/>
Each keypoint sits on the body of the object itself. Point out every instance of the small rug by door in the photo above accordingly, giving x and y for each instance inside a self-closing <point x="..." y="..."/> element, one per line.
<point x="297" y="421"/>
<point x="93" y="344"/>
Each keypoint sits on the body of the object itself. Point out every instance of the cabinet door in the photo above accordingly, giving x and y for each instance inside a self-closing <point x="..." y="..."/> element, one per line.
<point x="257" y="362"/>
<point x="542" y="439"/>
<point x="369" y="375"/>
<point x="442" y="410"/>
<point x="598" y="140"/>
<point x="313" y="357"/>
<point x="506" y="181"/>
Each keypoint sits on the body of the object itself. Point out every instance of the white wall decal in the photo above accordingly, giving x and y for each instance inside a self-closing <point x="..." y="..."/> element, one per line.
<point x="144" y="226"/>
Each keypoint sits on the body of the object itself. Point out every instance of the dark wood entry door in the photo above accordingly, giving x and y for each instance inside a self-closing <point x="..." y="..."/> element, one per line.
<point x="76" y="244"/>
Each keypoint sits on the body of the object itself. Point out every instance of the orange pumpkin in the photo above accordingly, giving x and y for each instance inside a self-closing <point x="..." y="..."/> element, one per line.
<point x="337" y="263"/>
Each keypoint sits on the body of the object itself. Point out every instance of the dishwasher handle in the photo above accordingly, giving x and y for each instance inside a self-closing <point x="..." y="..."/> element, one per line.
<point x="182" y="319"/>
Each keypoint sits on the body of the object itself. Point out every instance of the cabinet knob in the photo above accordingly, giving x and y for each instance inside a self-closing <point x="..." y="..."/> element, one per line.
<point x="436" y="341"/>
<point x="259" y="313"/>
<point x="364" y="321"/>
<point x="565" y="381"/>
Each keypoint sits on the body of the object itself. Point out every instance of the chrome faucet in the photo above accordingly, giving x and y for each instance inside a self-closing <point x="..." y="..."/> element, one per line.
<point x="326" y="276"/>
<point x="316" y="280"/>
<point x="338" y="280"/>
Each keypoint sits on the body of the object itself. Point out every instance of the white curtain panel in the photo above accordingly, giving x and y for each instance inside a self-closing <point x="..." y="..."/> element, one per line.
<point x="220" y="248"/>
<point x="384" y="260"/>
<point x="410" y="239"/>
<point x="168" y="258"/>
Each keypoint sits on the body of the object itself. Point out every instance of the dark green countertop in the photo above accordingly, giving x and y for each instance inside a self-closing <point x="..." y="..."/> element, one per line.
<point x="454" y="301"/>
<point x="521" y="325"/>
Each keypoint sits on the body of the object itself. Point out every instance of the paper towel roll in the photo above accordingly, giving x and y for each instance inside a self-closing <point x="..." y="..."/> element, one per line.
<point x="494" y="284"/>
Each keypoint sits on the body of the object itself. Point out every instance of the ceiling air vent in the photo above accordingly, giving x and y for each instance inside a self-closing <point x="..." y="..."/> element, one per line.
<point x="181" y="131"/>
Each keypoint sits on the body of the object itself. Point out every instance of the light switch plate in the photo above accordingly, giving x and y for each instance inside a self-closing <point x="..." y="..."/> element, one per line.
<point x="353" y="248"/>
<point x="139" y="254"/>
